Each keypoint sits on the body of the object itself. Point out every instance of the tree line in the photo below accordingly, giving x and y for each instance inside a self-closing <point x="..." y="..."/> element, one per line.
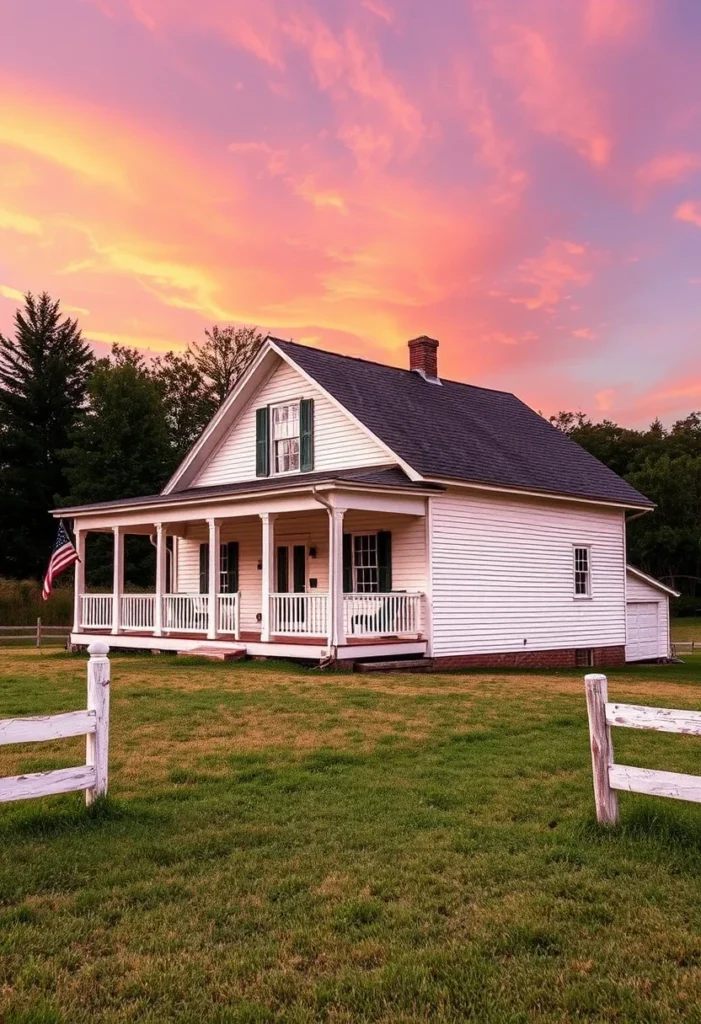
<point x="76" y="429"/>
<point x="665" y="465"/>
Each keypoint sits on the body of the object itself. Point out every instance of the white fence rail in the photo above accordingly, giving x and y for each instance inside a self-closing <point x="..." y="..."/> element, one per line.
<point x="391" y="614"/>
<point x="137" y="611"/>
<point x="609" y="777"/>
<point x="299" y="614"/>
<point x="186" y="613"/>
<point x="92" y="722"/>
<point x="96" y="611"/>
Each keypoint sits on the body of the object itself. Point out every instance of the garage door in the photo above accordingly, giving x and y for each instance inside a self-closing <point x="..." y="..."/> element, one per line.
<point x="643" y="631"/>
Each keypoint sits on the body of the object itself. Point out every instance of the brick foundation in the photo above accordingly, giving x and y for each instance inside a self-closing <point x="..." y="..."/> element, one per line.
<point x="603" y="657"/>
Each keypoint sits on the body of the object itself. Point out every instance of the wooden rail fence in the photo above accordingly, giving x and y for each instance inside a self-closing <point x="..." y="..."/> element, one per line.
<point x="93" y="722"/>
<point x="610" y="777"/>
<point x="38" y="633"/>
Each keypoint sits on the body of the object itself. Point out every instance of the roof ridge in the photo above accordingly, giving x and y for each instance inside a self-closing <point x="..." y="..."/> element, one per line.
<point x="386" y="366"/>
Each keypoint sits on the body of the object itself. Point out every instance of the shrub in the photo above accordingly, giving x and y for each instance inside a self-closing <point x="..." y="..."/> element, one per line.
<point x="21" y="604"/>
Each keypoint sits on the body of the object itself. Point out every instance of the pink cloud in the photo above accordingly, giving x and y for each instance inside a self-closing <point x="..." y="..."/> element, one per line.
<point x="614" y="20"/>
<point x="551" y="89"/>
<point x="690" y="212"/>
<point x="549" y="276"/>
<point x="667" y="169"/>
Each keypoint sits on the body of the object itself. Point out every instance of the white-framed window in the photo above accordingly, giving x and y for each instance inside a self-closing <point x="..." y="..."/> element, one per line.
<point x="582" y="572"/>
<point x="285" y="437"/>
<point x="366" y="570"/>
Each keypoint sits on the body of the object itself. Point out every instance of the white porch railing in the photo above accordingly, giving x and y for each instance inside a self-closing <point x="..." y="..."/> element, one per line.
<point x="299" y="614"/>
<point x="382" y="614"/>
<point x="185" y="613"/>
<point x="96" y="611"/>
<point x="228" y="608"/>
<point x="137" y="611"/>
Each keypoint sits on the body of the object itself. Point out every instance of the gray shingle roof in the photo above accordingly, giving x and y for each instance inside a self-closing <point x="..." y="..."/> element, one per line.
<point x="373" y="476"/>
<point x="462" y="432"/>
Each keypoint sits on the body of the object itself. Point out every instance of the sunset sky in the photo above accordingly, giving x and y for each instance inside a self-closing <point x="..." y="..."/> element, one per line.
<point x="518" y="178"/>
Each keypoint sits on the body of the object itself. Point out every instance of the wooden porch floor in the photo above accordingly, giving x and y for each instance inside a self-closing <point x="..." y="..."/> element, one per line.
<point x="251" y="637"/>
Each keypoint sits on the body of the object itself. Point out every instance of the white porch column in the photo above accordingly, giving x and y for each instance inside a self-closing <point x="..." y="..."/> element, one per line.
<point x="79" y="584"/>
<point x="117" y="578"/>
<point x="214" y="543"/>
<point x="160" y="579"/>
<point x="337" y="633"/>
<point x="267" y="563"/>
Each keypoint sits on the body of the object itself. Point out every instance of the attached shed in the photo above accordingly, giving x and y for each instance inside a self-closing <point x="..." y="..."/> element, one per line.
<point x="647" y="617"/>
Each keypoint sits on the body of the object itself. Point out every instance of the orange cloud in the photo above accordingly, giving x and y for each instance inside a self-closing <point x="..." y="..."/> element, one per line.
<point x="584" y="332"/>
<point x="19" y="222"/>
<point x="690" y="212"/>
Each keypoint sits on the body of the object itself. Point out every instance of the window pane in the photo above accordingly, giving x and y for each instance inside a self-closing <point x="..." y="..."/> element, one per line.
<point x="287" y="455"/>
<point x="365" y="568"/>
<point x="581" y="572"/>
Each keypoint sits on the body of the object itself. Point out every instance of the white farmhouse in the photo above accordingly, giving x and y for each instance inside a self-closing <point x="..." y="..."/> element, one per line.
<point x="337" y="509"/>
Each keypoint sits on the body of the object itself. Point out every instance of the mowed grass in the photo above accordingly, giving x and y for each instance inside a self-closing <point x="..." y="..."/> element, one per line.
<point x="285" y="845"/>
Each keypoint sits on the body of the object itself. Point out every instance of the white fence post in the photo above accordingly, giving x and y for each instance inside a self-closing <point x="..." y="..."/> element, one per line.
<point x="97" y="743"/>
<point x="601" y="749"/>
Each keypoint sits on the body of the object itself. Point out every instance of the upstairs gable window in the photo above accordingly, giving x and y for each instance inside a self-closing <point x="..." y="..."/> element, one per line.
<point x="285" y="437"/>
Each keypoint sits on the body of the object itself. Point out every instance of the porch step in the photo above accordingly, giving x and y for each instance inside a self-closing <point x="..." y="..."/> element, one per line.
<point x="214" y="653"/>
<point x="404" y="665"/>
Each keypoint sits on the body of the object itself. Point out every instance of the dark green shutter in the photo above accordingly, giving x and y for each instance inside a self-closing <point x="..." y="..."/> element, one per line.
<point x="263" y="441"/>
<point x="306" y="435"/>
<point x="384" y="560"/>
<point x="347" y="563"/>
<point x="230" y="559"/>
<point x="204" y="568"/>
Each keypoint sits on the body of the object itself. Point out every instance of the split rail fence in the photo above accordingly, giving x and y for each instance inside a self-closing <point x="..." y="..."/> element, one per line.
<point x="39" y="633"/>
<point x="92" y="722"/>
<point x="610" y="777"/>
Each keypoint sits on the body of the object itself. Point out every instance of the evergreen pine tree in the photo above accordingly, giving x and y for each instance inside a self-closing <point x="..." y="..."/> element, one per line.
<point x="43" y="375"/>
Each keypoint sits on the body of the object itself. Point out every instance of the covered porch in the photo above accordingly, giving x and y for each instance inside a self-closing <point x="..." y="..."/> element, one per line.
<point x="333" y="575"/>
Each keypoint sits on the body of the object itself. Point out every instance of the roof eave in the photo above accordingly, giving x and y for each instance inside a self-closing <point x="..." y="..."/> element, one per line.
<point x="484" y="485"/>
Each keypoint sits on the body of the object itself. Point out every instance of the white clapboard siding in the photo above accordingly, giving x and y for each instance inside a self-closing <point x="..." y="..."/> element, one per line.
<point x="339" y="443"/>
<point x="503" y="574"/>
<point x="61" y="780"/>
<point x="409" y="560"/>
<point x="652" y="782"/>
<point x="46" y="727"/>
<point x="647" y="633"/>
<point x="634" y="716"/>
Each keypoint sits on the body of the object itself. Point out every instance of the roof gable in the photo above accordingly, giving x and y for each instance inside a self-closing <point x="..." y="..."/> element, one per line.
<point x="225" y="454"/>
<point x="462" y="432"/>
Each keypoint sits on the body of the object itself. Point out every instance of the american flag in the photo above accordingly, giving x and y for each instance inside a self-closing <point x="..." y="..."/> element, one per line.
<point x="64" y="554"/>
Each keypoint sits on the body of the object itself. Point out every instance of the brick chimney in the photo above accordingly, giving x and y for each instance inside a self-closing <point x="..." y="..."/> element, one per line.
<point x="423" y="356"/>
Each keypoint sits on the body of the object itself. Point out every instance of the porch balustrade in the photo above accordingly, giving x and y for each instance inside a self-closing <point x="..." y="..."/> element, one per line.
<point x="299" y="614"/>
<point x="364" y="615"/>
<point x="382" y="614"/>
<point x="137" y="611"/>
<point x="96" y="611"/>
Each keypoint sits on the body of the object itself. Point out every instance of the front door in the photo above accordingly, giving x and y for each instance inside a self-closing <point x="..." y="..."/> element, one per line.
<point x="291" y="578"/>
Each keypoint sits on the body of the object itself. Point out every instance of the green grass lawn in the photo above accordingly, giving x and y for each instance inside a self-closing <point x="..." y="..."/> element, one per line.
<point x="285" y="845"/>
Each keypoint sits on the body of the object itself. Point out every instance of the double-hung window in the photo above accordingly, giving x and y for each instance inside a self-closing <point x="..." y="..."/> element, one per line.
<point x="582" y="572"/>
<point x="366" y="571"/>
<point x="285" y="437"/>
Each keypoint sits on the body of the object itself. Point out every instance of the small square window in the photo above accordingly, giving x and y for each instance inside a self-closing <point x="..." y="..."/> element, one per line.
<point x="582" y="572"/>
